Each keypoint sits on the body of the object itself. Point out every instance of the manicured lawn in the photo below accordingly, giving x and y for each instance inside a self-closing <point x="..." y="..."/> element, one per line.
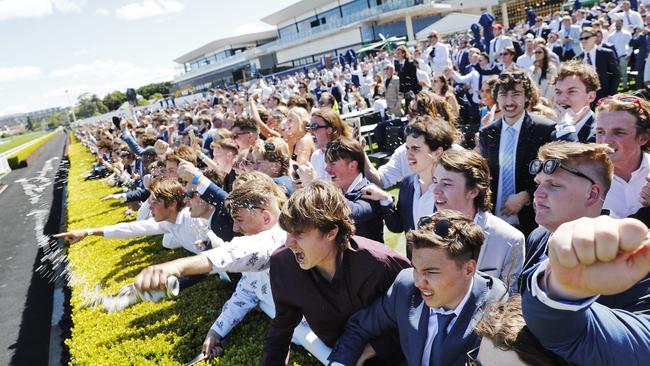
<point x="15" y="141"/>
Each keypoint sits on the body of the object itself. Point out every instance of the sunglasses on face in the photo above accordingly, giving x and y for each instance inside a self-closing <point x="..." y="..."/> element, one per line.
<point x="584" y="38"/>
<point x="315" y="126"/>
<point x="551" y="165"/>
<point x="413" y="131"/>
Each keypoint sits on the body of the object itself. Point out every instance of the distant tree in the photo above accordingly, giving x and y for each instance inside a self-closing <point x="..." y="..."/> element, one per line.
<point x="31" y="125"/>
<point x="89" y="105"/>
<point x="148" y="90"/>
<point x="114" y="100"/>
<point x="156" y="96"/>
<point x="54" y="120"/>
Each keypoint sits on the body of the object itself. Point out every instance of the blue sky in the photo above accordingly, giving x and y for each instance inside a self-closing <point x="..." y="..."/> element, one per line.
<point x="50" y="46"/>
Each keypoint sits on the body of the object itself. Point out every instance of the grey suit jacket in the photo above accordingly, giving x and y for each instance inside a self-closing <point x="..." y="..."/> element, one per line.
<point x="392" y="96"/>
<point x="503" y="251"/>
<point x="402" y="309"/>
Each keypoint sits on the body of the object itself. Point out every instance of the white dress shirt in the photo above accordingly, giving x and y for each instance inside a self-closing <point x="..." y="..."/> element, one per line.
<point x="631" y="19"/>
<point x="472" y="78"/>
<point x="621" y="41"/>
<point x="180" y="234"/>
<point x="432" y="329"/>
<point x="525" y="61"/>
<point x="423" y="203"/>
<point x="318" y="163"/>
<point x="513" y="219"/>
<point x="592" y="57"/>
<point x="396" y="169"/>
<point x="622" y="200"/>
<point x="441" y="59"/>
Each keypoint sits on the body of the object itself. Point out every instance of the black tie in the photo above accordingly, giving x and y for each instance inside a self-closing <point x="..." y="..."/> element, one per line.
<point x="387" y="82"/>
<point x="433" y="52"/>
<point x="589" y="59"/>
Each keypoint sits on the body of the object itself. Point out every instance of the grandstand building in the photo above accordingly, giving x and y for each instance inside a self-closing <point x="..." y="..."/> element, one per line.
<point x="311" y="29"/>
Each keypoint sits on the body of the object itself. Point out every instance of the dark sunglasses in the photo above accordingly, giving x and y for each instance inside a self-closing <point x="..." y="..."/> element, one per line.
<point x="584" y="38"/>
<point x="442" y="228"/>
<point x="551" y="165"/>
<point x="514" y="75"/>
<point x="315" y="126"/>
<point x="413" y="131"/>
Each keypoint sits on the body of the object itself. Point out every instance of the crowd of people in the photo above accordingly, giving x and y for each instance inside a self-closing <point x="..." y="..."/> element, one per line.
<point x="523" y="196"/>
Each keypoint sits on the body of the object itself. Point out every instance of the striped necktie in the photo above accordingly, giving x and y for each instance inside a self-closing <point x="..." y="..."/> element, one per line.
<point x="507" y="162"/>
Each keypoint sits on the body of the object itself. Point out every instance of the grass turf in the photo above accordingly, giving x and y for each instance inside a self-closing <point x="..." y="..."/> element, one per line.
<point x="15" y="141"/>
<point x="167" y="333"/>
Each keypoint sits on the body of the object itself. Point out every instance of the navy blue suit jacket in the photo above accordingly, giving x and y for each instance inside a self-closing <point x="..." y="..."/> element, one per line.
<point x="596" y="335"/>
<point x="367" y="214"/>
<point x="399" y="217"/>
<point x="535" y="132"/>
<point x="221" y="223"/>
<point x="608" y="72"/>
<point x="402" y="309"/>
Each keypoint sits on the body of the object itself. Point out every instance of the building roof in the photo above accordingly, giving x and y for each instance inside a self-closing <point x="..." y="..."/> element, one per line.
<point x="299" y="8"/>
<point x="223" y="42"/>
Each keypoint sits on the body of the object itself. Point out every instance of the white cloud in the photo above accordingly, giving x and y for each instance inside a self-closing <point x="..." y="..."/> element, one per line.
<point x="80" y="52"/>
<point x="13" y="109"/>
<point x="66" y="6"/>
<point x="15" y="73"/>
<point x="10" y="9"/>
<point x="13" y="9"/>
<point x="148" y="9"/>
<point x="102" y="12"/>
<point x="251" y="28"/>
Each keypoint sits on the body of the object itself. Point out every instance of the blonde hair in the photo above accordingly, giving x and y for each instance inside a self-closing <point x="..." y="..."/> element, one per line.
<point x="593" y="156"/>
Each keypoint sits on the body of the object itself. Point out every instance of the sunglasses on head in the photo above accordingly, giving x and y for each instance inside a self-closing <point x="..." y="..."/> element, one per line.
<point x="514" y="75"/>
<point x="551" y="165"/>
<point x="334" y="145"/>
<point x="413" y="131"/>
<point x="620" y="98"/>
<point x="442" y="227"/>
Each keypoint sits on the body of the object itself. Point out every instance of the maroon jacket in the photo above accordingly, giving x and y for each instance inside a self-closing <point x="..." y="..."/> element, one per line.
<point x="364" y="272"/>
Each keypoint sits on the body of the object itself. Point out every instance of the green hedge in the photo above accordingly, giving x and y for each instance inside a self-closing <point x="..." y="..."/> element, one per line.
<point x="19" y="159"/>
<point x="167" y="333"/>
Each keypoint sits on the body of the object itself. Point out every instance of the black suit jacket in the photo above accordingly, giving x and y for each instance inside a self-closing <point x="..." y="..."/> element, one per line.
<point x="608" y="73"/>
<point x="408" y="79"/>
<point x="535" y="132"/>
<point x="367" y="214"/>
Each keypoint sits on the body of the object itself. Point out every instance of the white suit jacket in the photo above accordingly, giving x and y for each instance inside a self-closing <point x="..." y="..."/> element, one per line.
<point x="503" y="251"/>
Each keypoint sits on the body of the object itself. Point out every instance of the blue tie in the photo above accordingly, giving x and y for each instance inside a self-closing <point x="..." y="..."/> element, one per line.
<point x="629" y="21"/>
<point x="507" y="162"/>
<point x="436" y="349"/>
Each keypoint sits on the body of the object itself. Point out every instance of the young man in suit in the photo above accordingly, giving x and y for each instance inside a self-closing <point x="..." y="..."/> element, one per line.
<point x="391" y="91"/>
<point x="426" y="139"/>
<point x="345" y="164"/>
<point x="570" y="36"/>
<point x="575" y="188"/>
<point x="407" y="72"/>
<point x="575" y="90"/>
<point x="433" y="306"/>
<point x="437" y="53"/>
<point x="498" y="44"/>
<point x="603" y="60"/>
<point x="591" y="259"/>
<point x="556" y="46"/>
<point x="509" y="145"/>
<point x="462" y="182"/>
<point x="326" y="274"/>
